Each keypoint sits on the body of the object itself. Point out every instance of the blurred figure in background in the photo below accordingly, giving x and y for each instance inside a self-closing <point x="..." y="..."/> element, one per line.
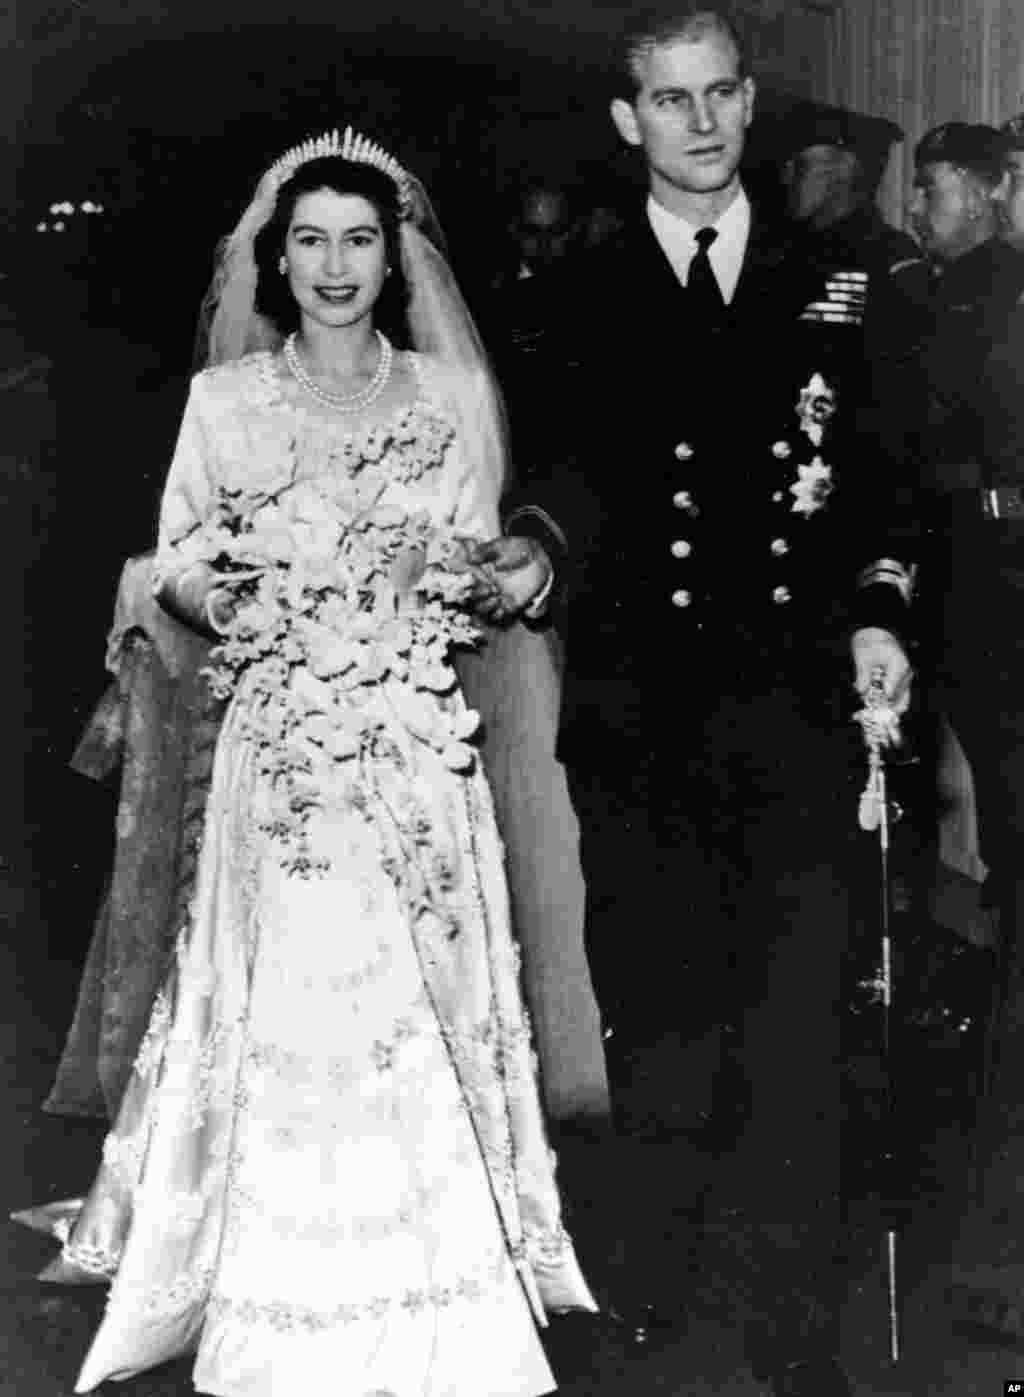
<point x="600" y="225"/>
<point x="978" y="276"/>
<point x="1011" y="205"/>
<point x="831" y="176"/>
<point x="983" y="674"/>
<point x="872" y="316"/>
<point x="977" y="279"/>
<point x="542" y="234"/>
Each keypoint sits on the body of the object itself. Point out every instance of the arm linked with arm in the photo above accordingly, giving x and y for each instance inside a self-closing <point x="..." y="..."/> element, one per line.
<point x="562" y="515"/>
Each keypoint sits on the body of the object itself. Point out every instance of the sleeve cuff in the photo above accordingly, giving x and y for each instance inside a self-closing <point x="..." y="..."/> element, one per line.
<point x="537" y="607"/>
<point x="889" y="573"/>
<point x="530" y="521"/>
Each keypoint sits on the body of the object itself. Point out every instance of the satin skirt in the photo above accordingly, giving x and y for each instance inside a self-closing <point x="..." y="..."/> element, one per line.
<point x="329" y="1171"/>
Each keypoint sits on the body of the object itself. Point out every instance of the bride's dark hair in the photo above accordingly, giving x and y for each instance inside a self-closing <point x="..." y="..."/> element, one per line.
<point x="274" y="298"/>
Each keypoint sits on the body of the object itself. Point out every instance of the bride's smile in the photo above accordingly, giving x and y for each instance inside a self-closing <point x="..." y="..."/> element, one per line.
<point x="335" y="258"/>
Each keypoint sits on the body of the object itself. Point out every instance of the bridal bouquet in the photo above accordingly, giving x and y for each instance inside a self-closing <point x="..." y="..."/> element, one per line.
<point x="346" y="613"/>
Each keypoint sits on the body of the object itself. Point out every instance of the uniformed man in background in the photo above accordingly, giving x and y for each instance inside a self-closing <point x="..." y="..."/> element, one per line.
<point x="873" y="313"/>
<point x="833" y="167"/>
<point x="977" y="277"/>
<point x="976" y="578"/>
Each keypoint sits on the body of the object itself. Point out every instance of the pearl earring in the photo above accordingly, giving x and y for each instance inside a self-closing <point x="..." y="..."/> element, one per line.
<point x="282" y="266"/>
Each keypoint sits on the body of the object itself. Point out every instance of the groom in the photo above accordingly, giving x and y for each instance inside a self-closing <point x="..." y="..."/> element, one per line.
<point x="736" y="563"/>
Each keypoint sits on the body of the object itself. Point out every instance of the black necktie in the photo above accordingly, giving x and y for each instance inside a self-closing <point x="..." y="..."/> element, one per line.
<point x="703" y="294"/>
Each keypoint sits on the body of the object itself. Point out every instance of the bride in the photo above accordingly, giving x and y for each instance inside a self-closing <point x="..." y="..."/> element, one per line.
<point x="329" y="1171"/>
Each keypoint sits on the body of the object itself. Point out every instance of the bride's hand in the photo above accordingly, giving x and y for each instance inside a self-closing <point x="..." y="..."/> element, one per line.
<point x="513" y="572"/>
<point x="221" y="605"/>
<point x="223" y="601"/>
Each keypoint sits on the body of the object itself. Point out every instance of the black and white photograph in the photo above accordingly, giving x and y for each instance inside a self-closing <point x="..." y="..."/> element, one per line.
<point x="512" y="835"/>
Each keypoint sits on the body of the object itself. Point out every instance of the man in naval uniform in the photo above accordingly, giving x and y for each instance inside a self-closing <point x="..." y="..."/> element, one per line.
<point x="726" y="546"/>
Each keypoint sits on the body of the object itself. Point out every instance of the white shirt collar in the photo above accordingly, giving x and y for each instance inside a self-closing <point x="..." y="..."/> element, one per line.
<point x="677" y="239"/>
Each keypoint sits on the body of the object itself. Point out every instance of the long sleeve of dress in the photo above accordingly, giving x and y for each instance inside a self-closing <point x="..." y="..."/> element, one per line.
<point x="181" y="581"/>
<point x="481" y="453"/>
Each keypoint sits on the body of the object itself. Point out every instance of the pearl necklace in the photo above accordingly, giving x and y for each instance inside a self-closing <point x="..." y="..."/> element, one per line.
<point x="357" y="401"/>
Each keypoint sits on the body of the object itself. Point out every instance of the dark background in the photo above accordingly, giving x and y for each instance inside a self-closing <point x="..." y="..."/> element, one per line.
<point x="166" y="114"/>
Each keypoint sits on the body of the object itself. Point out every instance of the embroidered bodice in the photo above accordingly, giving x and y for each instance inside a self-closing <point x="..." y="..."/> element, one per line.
<point x="246" y="431"/>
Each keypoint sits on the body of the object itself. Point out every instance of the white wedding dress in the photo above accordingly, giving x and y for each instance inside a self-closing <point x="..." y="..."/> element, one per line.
<point x="330" y="1173"/>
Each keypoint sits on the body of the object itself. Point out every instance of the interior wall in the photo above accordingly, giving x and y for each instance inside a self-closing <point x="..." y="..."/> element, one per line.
<point x="921" y="62"/>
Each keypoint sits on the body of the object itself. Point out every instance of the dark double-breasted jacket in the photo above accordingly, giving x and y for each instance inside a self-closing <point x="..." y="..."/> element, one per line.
<point x="716" y="513"/>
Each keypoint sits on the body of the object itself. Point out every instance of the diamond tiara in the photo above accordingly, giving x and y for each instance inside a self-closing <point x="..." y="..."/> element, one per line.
<point x="350" y="146"/>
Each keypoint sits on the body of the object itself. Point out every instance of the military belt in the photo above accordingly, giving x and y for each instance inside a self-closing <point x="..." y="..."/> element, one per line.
<point x="1002" y="503"/>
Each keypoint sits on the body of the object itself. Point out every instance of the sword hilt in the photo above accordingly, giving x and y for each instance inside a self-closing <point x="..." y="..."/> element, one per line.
<point x="880" y="725"/>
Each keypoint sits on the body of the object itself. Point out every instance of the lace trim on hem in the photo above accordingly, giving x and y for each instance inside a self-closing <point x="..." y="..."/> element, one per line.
<point x="283" y="1318"/>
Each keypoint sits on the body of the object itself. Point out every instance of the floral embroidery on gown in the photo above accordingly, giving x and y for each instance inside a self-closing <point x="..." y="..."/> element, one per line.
<point x="329" y="1171"/>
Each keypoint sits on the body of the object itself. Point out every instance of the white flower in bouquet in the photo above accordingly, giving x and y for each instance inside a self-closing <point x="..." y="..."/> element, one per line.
<point x="348" y="611"/>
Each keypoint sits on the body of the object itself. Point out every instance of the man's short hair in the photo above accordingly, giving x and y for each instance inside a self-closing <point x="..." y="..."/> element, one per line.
<point x="685" y="22"/>
<point x="981" y="150"/>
